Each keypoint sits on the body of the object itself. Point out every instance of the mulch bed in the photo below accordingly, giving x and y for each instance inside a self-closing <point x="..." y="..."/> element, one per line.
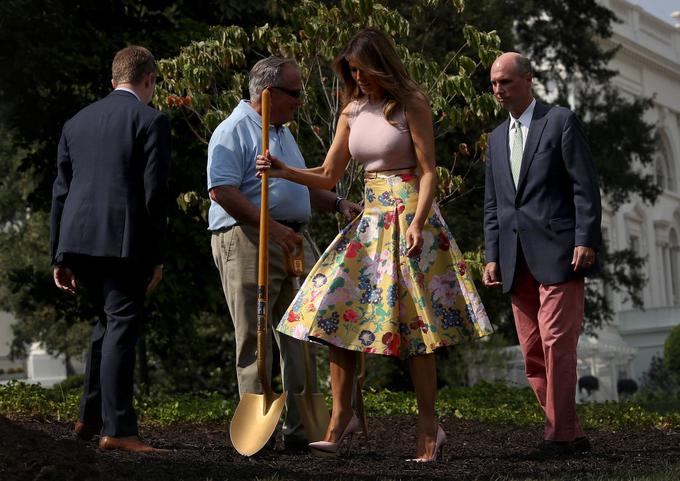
<point x="40" y="451"/>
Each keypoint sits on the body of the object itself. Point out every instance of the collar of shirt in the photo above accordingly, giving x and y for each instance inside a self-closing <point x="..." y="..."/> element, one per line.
<point x="129" y="90"/>
<point x="247" y="109"/>
<point x="525" y="120"/>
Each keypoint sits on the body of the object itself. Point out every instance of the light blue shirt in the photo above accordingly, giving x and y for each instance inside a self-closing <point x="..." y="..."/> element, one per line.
<point x="231" y="162"/>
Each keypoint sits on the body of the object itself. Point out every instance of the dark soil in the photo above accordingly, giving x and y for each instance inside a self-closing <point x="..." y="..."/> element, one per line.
<point x="475" y="451"/>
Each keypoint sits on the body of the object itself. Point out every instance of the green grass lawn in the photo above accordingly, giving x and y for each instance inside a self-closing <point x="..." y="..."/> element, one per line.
<point x="485" y="402"/>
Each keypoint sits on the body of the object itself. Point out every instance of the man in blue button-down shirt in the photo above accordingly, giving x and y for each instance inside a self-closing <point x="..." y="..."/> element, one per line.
<point x="234" y="219"/>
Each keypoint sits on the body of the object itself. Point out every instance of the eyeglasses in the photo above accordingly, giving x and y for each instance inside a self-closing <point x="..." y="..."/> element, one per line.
<point x="296" y="94"/>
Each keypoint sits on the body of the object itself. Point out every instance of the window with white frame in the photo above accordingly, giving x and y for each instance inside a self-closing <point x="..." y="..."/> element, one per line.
<point x="665" y="173"/>
<point x="674" y="251"/>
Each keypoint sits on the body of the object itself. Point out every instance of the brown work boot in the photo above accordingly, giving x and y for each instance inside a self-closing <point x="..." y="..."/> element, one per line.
<point x="129" y="443"/>
<point x="86" y="431"/>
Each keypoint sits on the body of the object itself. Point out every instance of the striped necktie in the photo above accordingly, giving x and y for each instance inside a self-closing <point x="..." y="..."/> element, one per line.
<point x="517" y="151"/>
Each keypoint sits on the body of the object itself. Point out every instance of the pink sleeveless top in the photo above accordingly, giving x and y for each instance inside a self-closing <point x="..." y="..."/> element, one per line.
<point x="376" y="143"/>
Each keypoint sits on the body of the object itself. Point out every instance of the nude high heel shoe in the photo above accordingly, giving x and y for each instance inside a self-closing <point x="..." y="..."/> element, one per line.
<point x="438" y="448"/>
<point x="331" y="449"/>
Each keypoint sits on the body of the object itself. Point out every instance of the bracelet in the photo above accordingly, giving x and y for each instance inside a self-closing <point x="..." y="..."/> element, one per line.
<point x="338" y="199"/>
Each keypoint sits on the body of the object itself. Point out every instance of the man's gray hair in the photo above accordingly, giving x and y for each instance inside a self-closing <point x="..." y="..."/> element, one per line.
<point x="266" y="72"/>
<point x="523" y="65"/>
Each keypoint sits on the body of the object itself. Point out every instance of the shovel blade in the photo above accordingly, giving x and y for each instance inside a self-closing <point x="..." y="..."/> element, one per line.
<point x="254" y="422"/>
<point x="315" y="415"/>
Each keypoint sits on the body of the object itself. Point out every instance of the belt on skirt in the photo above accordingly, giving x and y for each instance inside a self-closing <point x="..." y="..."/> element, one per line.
<point x="382" y="174"/>
<point x="296" y="226"/>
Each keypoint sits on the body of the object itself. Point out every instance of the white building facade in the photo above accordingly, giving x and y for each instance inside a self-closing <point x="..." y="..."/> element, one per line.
<point x="648" y="65"/>
<point x="38" y="367"/>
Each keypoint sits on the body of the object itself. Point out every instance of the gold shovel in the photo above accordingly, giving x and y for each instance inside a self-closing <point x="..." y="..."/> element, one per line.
<point x="256" y="415"/>
<point x="312" y="406"/>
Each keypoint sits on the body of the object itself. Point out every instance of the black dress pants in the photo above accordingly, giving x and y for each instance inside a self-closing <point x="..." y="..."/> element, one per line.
<point x="116" y="289"/>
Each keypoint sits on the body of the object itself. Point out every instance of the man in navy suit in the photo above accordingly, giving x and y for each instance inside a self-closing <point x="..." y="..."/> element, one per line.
<point x="108" y="222"/>
<point x="542" y="231"/>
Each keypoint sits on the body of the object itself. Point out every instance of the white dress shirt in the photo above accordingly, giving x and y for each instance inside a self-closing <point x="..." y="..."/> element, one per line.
<point x="525" y="120"/>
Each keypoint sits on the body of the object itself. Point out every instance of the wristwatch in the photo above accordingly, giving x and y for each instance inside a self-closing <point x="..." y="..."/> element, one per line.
<point x="337" y="203"/>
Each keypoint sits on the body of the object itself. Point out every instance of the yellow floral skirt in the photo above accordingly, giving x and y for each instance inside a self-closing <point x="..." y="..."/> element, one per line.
<point x="366" y="294"/>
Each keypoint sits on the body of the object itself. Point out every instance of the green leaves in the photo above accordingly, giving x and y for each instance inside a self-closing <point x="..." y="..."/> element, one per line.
<point x="212" y="74"/>
<point x="194" y="204"/>
<point x="486" y="44"/>
<point x="206" y="80"/>
<point x="493" y="403"/>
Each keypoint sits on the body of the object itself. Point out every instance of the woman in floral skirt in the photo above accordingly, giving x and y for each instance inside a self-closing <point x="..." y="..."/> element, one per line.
<point x="393" y="282"/>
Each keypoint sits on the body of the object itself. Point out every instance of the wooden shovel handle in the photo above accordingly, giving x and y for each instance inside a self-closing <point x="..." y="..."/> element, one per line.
<point x="263" y="260"/>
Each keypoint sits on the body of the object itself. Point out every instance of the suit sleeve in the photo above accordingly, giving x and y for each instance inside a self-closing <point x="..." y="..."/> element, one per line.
<point x="579" y="163"/>
<point x="490" y="212"/>
<point x="60" y="191"/>
<point x="156" y="172"/>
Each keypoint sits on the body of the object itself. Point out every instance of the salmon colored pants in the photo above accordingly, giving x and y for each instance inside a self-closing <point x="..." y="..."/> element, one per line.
<point x="548" y="320"/>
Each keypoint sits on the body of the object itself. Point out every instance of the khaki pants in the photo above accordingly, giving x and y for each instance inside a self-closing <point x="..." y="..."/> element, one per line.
<point x="236" y="257"/>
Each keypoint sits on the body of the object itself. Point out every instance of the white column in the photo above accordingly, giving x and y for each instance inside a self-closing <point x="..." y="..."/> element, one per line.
<point x="657" y="281"/>
<point x="667" y="275"/>
<point x="614" y="374"/>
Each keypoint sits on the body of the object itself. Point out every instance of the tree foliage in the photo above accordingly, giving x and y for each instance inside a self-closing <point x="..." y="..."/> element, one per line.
<point x="57" y="73"/>
<point x="204" y="74"/>
<point x="671" y="353"/>
<point x="208" y="78"/>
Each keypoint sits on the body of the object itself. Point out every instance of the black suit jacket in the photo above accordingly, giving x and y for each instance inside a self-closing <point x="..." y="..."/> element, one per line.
<point x="556" y="205"/>
<point x="110" y="195"/>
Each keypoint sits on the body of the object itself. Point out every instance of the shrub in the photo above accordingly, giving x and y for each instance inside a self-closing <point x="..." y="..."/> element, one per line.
<point x="70" y="384"/>
<point x="485" y="402"/>
<point x="589" y="384"/>
<point x="200" y="407"/>
<point x="18" y="399"/>
<point x="626" y="387"/>
<point x="671" y="352"/>
<point x="657" y="383"/>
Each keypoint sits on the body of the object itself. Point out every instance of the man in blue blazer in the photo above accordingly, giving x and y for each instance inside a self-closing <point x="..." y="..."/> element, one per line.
<point x="542" y="231"/>
<point x="108" y="222"/>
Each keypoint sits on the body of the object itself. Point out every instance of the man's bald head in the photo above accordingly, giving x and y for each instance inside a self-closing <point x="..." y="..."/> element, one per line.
<point x="515" y="61"/>
<point x="511" y="81"/>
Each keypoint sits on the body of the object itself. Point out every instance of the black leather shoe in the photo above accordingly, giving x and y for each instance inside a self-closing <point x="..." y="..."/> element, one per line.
<point x="582" y="445"/>
<point x="295" y="446"/>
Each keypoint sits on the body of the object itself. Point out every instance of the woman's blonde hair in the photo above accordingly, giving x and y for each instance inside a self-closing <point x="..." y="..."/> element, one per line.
<point x="376" y="55"/>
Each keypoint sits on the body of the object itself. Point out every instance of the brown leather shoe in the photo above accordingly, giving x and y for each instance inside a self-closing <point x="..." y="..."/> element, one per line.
<point x="86" y="431"/>
<point x="129" y="443"/>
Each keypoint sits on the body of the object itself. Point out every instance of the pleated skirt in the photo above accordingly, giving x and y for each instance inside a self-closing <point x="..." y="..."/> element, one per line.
<point x="365" y="294"/>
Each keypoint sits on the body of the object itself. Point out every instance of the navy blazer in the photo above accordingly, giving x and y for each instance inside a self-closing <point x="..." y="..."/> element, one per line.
<point x="110" y="196"/>
<point x="556" y="205"/>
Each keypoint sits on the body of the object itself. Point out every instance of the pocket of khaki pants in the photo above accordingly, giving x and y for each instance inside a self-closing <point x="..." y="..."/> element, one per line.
<point x="227" y="245"/>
